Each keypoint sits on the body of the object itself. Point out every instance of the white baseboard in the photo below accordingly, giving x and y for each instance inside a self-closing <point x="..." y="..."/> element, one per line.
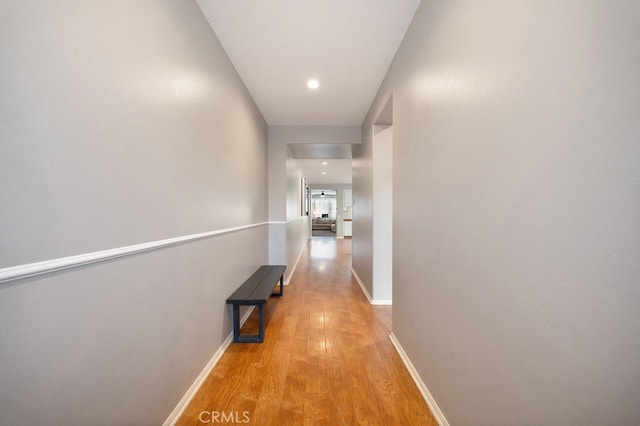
<point x="431" y="402"/>
<point x="295" y="265"/>
<point x="364" y="289"/>
<point x="195" y="386"/>
<point x="366" y="293"/>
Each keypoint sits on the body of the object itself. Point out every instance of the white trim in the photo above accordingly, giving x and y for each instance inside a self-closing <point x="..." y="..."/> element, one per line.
<point x="364" y="289"/>
<point x="195" y="386"/>
<point x="295" y="265"/>
<point x="284" y="222"/>
<point x="431" y="402"/>
<point x="47" y="266"/>
<point x="366" y="293"/>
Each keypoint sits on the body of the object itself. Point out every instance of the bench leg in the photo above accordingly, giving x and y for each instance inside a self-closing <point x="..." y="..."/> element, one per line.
<point x="261" y="322"/>
<point x="252" y="338"/>
<point x="279" y="293"/>
<point x="236" y="322"/>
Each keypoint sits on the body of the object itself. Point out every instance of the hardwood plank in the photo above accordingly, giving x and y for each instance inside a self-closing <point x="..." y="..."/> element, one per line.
<point x="326" y="359"/>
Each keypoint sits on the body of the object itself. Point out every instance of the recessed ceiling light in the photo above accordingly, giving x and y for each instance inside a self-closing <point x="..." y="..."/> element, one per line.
<point x="324" y="163"/>
<point x="313" y="84"/>
<point x="324" y="173"/>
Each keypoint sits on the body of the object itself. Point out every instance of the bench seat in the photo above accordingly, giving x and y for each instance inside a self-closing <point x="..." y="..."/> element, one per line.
<point x="254" y="292"/>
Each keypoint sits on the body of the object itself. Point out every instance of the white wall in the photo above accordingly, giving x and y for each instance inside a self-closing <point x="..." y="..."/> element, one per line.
<point x="382" y="214"/>
<point x="121" y="123"/>
<point x="516" y="206"/>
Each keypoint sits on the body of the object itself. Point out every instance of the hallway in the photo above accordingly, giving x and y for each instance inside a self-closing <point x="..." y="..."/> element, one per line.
<point x="326" y="359"/>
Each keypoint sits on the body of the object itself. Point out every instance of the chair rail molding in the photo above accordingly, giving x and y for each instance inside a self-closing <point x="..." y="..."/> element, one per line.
<point x="13" y="273"/>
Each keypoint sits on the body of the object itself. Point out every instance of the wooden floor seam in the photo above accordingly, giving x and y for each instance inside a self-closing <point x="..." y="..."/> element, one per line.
<point x="326" y="359"/>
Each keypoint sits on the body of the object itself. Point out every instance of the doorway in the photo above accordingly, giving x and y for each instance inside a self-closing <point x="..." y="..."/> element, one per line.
<point x="324" y="209"/>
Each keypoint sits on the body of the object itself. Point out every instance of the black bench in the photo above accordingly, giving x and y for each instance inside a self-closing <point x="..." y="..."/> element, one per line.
<point x="255" y="291"/>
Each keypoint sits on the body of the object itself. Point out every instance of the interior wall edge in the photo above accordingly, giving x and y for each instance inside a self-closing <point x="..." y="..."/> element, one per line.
<point x="422" y="387"/>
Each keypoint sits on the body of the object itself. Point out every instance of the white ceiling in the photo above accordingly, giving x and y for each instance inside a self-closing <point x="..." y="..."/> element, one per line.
<point x="277" y="45"/>
<point x="337" y="171"/>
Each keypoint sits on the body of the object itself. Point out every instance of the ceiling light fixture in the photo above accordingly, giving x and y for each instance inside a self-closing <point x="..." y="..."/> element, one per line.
<point x="324" y="163"/>
<point x="313" y="84"/>
<point x="324" y="173"/>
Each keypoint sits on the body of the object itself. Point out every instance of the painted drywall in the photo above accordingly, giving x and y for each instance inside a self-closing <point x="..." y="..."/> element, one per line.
<point x="315" y="134"/>
<point x="372" y="214"/>
<point x="288" y="233"/>
<point x="516" y="206"/>
<point x="121" y="123"/>
<point x="277" y="182"/>
<point x="297" y="222"/>
<point x="382" y="213"/>
<point x="362" y="211"/>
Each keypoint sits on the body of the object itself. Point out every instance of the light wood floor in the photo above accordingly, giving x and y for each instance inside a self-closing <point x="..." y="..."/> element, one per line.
<point x="327" y="358"/>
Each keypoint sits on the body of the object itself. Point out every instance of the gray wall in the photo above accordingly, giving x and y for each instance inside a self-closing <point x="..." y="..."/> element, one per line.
<point x="289" y="231"/>
<point x="362" y="209"/>
<point x="516" y="206"/>
<point x="297" y="224"/>
<point x="121" y="123"/>
<point x="315" y="134"/>
<point x="277" y="181"/>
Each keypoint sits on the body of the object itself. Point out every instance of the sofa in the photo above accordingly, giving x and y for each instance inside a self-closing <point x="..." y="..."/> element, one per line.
<point x="322" y="223"/>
